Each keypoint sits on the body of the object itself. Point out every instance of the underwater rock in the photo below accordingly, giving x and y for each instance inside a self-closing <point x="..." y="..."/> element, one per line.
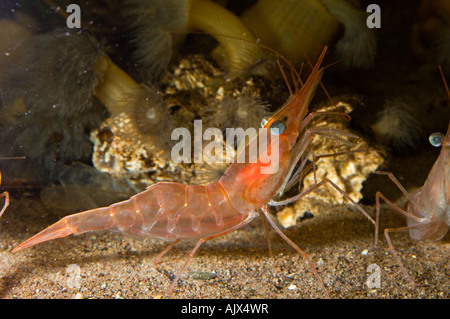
<point x="193" y="90"/>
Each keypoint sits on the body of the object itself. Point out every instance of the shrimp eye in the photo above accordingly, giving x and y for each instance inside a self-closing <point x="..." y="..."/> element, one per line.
<point x="277" y="128"/>
<point x="436" y="139"/>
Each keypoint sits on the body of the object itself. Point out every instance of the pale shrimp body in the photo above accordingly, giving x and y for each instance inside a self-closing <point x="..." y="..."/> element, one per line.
<point x="428" y="209"/>
<point x="431" y="202"/>
<point x="173" y="211"/>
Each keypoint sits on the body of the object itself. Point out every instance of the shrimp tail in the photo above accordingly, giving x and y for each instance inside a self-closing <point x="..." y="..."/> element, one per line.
<point x="90" y="220"/>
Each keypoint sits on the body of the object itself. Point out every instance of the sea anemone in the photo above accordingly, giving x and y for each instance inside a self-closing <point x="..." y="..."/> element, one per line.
<point x="240" y="111"/>
<point x="397" y="127"/>
<point x="358" y="44"/>
<point x="52" y="85"/>
<point x="11" y="33"/>
<point x="113" y="84"/>
<point x="54" y="73"/>
<point x="296" y="28"/>
<point x="47" y="87"/>
<point x="161" y="25"/>
<point x="151" y="118"/>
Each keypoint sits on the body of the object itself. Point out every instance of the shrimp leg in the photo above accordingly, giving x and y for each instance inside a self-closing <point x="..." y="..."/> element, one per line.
<point x="267" y="230"/>
<point x="379" y="195"/>
<point x="161" y="254"/>
<point x="201" y="241"/>
<point x="394" y="253"/>
<point x="6" y="203"/>
<point x="6" y="195"/>
<point x="298" y="249"/>
<point x="156" y="260"/>
<point x="316" y="186"/>
<point x="398" y="209"/>
<point x="401" y="188"/>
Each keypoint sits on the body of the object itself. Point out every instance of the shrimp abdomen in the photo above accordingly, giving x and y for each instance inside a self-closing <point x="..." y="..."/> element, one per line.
<point x="185" y="211"/>
<point x="165" y="210"/>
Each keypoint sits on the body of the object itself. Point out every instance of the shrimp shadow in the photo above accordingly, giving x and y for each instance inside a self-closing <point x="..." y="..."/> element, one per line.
<point x="12" y="279"/>
<point x="340" y="226"/>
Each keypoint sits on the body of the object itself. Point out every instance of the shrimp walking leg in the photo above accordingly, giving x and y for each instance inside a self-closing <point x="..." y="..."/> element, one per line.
<point x="6" y="195"/>
<point x="379" y="195"/>
<point x="267" y="230"/>
<point x="161" y="254"/>
<point x="316" y="186"/>
<point x="398" y="209"/>
<point x="394" y="253"/>
<point x="398" y="184"/>
<point x="6" y="203"/>
<point x="298" y="249"/>
<point x="201" y="241"/>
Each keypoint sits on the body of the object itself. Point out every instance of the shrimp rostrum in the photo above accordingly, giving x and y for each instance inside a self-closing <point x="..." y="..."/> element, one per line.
<point x="174" y="212"/>
<point x="428" y="210"/>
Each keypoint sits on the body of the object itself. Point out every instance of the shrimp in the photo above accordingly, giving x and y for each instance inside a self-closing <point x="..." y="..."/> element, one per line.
<point x="5" y="194"/>
<point x="174" y="212"/>
<point x="428" y="208"/>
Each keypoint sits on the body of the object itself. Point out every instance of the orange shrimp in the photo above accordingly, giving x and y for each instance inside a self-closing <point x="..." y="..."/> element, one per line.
<point x="428" y="209"/>
<point x="174" y="211"/>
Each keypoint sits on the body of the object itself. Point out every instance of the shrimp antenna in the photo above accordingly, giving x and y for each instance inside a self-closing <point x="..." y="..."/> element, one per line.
<point x="302" y="48"/>
<point x="445" y="82"/>
<point x="294" y="73"/>
<point x="285" y="78"/>
<point x="12" y="157"/>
